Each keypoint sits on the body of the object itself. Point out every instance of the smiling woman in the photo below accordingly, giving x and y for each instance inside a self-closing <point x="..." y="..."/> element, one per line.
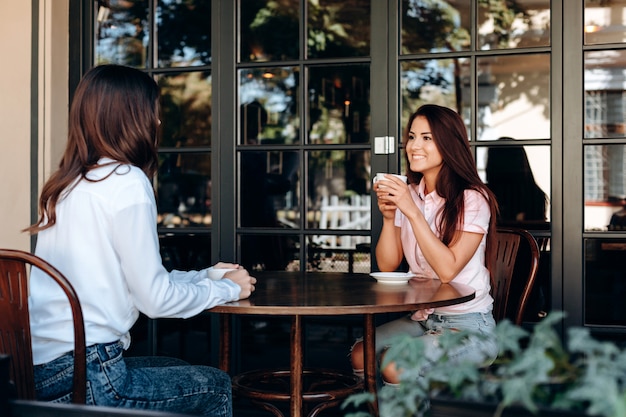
<point x="443" y="223"/>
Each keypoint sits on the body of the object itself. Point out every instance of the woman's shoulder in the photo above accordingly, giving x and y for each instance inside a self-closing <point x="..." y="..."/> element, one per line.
<point x="475" y="197"/>
<point x="474" y="193"/>
<point x="116" y="178"/>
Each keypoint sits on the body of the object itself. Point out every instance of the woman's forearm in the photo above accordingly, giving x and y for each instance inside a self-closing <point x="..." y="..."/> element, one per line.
<point x="389" y="247"/>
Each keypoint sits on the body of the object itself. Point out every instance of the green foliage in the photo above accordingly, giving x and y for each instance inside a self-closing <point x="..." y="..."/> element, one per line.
<point x="534" y="370"/>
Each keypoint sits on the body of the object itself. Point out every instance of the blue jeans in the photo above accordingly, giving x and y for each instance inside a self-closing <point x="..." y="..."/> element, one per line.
<point x="481" y="351"/>
<point x="150" y="383"/>
<point x="477" y="350"/>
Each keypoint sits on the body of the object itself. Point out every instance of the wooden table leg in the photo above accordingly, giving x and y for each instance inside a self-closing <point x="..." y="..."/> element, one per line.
<point x="296" y="367"/>
<point x="369" y="347"/>
<point x="225" y="326"/>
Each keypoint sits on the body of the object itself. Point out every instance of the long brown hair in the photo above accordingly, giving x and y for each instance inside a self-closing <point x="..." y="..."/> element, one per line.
<point x="458" y="173"/>
<point x="114" y="114"/>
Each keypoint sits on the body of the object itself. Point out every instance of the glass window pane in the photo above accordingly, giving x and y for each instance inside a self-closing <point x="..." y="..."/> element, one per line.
<point x="433" y="81"/>
<point x="338" y="189"/>
<point x="605" y="187"/>
<point x="441" y="26"/>
<point x="338" y="28"/>
<point x="184" y="190"/>
<point x="185" y="251"/>
<point x="122" y="33"/>
<point x="269" y="30"/>
<point x="505" y="24"/>
<point x="514" y="96"/>
<point x="277" y="252"/>
<point x="605" y="21"/>
<point x="605" y="282"/>
<point x="269" y="189"/>
<point x="269" y="106"/>
<point x="184" y="33"/>
<point x="605" y="101"/>
<point x="339" y="254"/>
<point x="185" y="109"/>
<point x="339" y="104"/>
<point x="519" y="176"/>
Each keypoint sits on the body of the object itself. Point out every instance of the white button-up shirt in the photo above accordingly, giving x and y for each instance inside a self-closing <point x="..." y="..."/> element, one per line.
<point x="105" y="242"/>
<point x="475" y="273"/>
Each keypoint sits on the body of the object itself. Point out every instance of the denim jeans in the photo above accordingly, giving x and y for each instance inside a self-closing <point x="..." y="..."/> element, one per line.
<point x="477" y="350"/>
<point x="151" y="383"/>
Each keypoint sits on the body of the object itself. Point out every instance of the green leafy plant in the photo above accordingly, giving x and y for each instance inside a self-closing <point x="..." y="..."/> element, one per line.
<point x="534" y="370"/>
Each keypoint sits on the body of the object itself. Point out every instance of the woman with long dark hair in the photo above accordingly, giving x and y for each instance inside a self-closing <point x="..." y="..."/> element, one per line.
<point x="443" y="223"/>
<point x="98" y="227"/>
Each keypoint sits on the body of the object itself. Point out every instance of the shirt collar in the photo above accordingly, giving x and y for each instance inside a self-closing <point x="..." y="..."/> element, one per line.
<point x="421" y="192"/>
<point x="104" y="160"/>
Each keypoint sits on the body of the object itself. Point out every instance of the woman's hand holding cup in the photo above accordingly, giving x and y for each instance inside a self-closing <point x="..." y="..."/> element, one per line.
<point x="383" y="184"/>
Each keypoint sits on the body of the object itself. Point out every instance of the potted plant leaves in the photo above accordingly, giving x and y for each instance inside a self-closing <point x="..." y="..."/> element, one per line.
<point x="536" y="373"/>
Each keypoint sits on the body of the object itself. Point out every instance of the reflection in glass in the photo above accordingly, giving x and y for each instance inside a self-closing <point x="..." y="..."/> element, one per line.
<point x="185" y="109"/>
<point x="269" y="106"/>
<point x="441" y="26"/>
<point x="184" y="190"/>
<point x="513" y="96"/>
<point x="605" y="102"/>
<point x="352" y="256"/>
<point x="122" y="33"/>
<point x="276" y="252"/>
<point x="339" y="188"/>
<point x="504" y="24"/>
<point x="605" y="21"/>
<point x="185" y="252"/>
<point x="518" y="176"/>
<point x="605" y="186"/>
<point x="269" y="188"/>
<point x="269" y="30"/>
<point x="339" y="104"/>
<point x="338" y="28"/>
<point x="184" y="33"/>
<point x="432" y="81"/>
<point x="605" y="282"/>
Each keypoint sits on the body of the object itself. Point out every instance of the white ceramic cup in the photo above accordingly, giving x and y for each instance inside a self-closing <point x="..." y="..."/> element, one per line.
<point x="218" y="273"/>
<point x="381" y="176"/>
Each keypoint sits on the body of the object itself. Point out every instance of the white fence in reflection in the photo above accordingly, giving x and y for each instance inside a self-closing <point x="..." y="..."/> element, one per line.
<point x="347" y="213"/>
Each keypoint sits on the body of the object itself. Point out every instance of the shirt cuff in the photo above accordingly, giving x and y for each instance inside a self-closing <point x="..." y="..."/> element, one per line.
<point x="233" y="289"/>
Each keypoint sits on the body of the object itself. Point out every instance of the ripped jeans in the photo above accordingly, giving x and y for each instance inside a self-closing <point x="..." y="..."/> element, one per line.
<point x="477" y="350"/>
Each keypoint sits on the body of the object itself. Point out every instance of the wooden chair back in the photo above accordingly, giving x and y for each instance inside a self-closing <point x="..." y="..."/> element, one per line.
<point x="15" y="336"/>
<point x="507" y="303"/>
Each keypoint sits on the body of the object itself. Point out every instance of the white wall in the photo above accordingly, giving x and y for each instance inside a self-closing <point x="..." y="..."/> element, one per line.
<point x="17" y="125"/>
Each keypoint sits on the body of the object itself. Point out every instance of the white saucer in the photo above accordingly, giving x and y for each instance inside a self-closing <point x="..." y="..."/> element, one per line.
<point x="392" y="277"/>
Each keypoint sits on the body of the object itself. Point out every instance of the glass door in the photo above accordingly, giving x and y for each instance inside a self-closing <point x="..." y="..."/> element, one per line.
<point x="304" y="115"/>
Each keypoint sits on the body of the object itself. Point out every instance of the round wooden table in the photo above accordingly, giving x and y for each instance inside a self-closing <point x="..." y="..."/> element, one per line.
<point x="299" y="294"/>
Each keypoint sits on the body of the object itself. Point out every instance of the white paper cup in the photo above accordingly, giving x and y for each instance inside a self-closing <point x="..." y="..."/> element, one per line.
<point x="218" y="273"/>
<point x="381" y="176"/>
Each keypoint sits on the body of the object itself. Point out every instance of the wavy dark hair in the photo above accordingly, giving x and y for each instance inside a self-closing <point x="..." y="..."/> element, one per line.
<point x="458" y="173"/>
<point x="114" y="114"/>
